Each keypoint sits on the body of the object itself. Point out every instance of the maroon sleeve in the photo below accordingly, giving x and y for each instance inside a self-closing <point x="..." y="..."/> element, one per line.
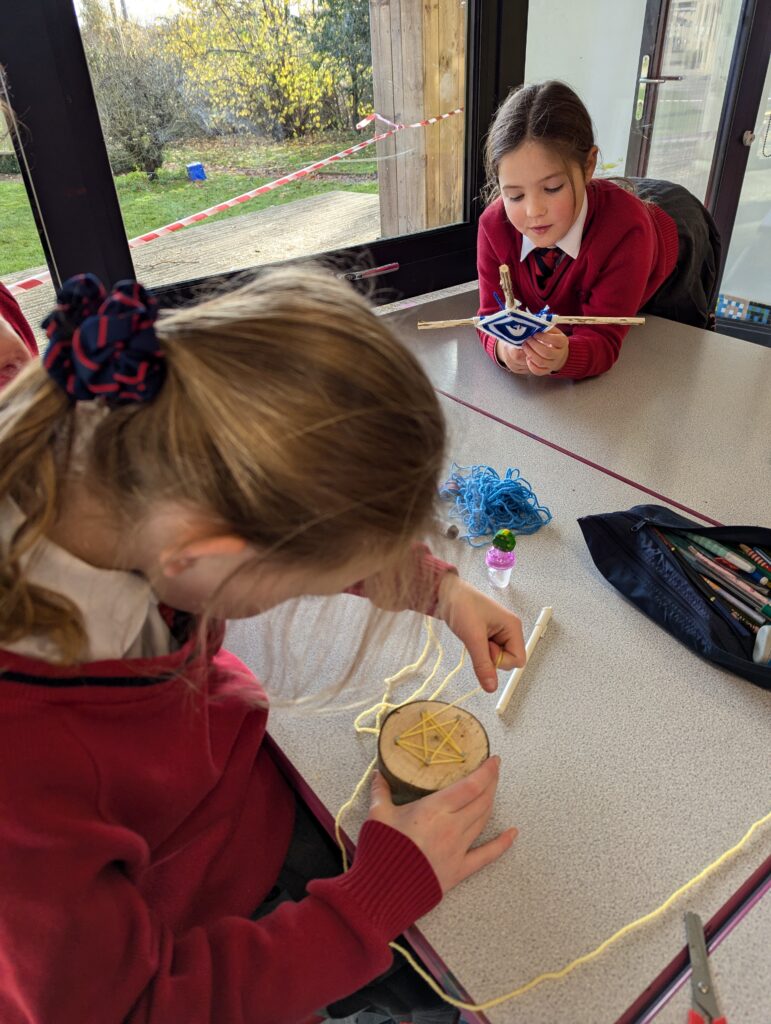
<point x="80" y="945"/>
<point x="11" y="312"/>
<point x="488" y="262"/>
<point x="618" y="290"/>
<point x="422" y="591"/>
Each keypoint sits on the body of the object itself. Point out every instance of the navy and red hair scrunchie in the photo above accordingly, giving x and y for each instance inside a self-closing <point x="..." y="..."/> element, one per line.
<point x="104" y="346"/>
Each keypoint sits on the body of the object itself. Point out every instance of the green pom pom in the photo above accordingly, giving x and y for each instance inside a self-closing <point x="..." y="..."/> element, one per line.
<point x="504" y="540"/>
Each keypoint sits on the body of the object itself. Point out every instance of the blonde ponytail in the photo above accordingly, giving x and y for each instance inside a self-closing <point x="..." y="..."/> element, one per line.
<point x="35" y="428"/>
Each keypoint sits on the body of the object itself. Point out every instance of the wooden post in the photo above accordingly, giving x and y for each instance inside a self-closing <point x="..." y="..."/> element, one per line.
<point x="418" y="71"/>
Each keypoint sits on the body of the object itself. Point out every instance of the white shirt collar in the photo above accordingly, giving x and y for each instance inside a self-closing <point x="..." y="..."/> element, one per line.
<point x="120" y="611"/>
<point x="570" y="242"/>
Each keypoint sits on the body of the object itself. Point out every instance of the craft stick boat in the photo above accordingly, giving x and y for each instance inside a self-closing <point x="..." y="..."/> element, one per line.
<point x="515" y="325"/>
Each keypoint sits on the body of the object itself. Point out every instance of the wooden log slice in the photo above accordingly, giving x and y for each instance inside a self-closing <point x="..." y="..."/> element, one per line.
<point x="427" y="745"/>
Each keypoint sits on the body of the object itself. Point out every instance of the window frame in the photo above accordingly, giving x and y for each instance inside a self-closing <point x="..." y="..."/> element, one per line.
<point x="72" y="193"/>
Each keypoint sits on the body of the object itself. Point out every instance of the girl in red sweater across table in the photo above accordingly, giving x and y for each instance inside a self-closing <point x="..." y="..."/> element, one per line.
<point x="584" y="247"/>
<point x="155" y="480"/>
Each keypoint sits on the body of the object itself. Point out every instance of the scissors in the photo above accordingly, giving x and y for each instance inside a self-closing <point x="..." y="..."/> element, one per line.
<point x="703" y="1002"/>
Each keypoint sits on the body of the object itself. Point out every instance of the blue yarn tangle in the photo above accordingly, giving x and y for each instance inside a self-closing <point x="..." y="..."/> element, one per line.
<point x="487" y="502"/>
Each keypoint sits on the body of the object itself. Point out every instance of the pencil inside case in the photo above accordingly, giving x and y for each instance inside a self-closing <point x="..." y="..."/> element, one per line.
<point x="630" y="549"/>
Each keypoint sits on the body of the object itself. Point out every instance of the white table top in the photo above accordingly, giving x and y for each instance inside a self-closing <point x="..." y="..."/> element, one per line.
<point x="684" y="412"/>
<point x="628" y="764"/>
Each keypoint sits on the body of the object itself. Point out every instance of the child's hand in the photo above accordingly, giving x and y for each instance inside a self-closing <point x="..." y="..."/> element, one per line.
<point x="546" y="352"/>
<point x="512" y="357"/>
<point x="484" y="627"/>
<point x="445" y="824"/>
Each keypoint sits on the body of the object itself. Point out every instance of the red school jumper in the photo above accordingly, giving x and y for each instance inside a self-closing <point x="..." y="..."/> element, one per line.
<point x="628" y="249"/>
<point x="142" y="821"/>
<point x="11" y="312"/>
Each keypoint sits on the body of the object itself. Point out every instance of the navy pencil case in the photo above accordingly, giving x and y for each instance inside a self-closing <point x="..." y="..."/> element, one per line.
<point x="629" y="554"/>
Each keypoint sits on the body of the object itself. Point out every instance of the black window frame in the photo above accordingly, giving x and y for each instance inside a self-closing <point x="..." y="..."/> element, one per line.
<point x="67" y="174"/>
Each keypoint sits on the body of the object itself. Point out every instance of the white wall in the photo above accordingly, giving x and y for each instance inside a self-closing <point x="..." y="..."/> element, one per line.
<point x="593" y="46"/>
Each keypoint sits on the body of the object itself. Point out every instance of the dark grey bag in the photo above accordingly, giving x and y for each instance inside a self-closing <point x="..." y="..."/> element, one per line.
<point x="631" y="557"/>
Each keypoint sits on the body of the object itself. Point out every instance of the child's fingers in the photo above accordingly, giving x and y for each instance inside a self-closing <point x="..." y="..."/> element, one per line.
<point x="514" y="359"/>
<point x="474" y="816"/>
<point x="497" y="655"/>
<point x="485" y="854"/>
<point x="507" y="650"/>
<point x="483" y="658"/>
<point x="380" y="794"/>
<point x="544" y="349"/>
<point x="465" y="791"/>
<point x="538" y="366"/>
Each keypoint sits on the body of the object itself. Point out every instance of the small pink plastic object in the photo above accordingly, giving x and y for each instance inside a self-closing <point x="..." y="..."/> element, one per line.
<point x="500" y="558"/>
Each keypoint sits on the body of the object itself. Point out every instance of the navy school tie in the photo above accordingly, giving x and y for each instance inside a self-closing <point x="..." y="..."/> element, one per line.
<point x="546" y="260"/>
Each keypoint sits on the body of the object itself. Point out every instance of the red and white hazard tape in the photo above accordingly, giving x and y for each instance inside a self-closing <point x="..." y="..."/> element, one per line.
<point x="32" y="282"/>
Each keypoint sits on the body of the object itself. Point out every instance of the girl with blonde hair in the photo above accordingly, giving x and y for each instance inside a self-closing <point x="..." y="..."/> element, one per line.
<point x="157" y="477"/>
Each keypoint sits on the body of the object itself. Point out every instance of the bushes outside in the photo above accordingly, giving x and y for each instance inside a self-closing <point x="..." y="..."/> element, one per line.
<point x="233" y="165"/>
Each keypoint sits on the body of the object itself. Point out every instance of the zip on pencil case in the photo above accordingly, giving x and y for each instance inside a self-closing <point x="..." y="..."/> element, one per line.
<point x="627" y="552"/>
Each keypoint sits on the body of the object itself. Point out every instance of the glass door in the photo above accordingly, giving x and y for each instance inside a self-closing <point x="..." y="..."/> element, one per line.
<point x="745" y="290"/>
<point x="684" y="64"/>
<point x="247" y="132"/>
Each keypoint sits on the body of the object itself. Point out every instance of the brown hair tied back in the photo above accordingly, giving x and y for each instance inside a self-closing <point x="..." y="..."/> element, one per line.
<point x="549" y="113"/>
<point x="290" y="414"/>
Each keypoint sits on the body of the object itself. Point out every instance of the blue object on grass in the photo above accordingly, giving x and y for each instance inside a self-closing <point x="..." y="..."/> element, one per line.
<point x="195" y="172"/>
<point x="487" y="502"/>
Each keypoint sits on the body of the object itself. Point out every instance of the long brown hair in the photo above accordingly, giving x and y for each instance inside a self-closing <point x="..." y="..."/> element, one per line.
<point x="546" y="112"/>
<point x="290" y="414"/>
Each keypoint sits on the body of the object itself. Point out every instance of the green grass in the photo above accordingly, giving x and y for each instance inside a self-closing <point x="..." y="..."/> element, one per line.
<point x="19" y="242"/>
<point x="233" y="166"/>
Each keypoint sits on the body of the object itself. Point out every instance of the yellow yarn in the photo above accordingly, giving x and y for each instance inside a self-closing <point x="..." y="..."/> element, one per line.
<point x="379" y="710"/>
<point x="569" y="968"/>
<point x="383" y="705"/>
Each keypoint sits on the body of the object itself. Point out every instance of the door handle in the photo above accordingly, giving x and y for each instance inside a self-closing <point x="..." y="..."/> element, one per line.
<point x="660" y="80"/>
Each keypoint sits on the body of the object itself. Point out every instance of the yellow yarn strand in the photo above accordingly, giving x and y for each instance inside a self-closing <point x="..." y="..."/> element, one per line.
<point x="348" y="804"/>
<point x="379" y="710"/>
<point x="383" y="705"/>
<point x="587" y="957"/>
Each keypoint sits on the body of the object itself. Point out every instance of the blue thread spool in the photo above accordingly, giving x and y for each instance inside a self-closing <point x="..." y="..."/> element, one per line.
<point x="486" y="502"/>
<point x="195" y="172"/>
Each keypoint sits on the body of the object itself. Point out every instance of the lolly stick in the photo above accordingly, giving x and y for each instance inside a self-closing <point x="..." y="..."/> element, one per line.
<point x="472" y="321"/>
<point x="513" y="681"/>
<point x="508" y="291"/>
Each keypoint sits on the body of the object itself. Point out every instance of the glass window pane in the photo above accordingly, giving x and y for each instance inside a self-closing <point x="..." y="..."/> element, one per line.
<point x="746" y="285"/>
<point x="563" y="42"/>
<point x="250" y="124"/>
<point x="21" y="255"/>
<point x="698" y="47"/>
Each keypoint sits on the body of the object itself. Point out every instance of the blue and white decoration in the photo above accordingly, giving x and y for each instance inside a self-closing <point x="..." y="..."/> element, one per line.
<point x="515" y="325"/>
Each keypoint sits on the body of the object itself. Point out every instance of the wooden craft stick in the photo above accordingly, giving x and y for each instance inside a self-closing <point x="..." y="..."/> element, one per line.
<point x="508" y="291"/>
<point x="630" y="321"/>
<point x="426" y="325"/>
<point x="472" y="321"/>
<point x="513" y="681"/>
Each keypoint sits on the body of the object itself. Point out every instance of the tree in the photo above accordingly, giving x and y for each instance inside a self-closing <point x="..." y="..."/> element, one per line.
<point x="256" y="60"/>
<point x="139" y="88"/>
<point x="343" y="36"/>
